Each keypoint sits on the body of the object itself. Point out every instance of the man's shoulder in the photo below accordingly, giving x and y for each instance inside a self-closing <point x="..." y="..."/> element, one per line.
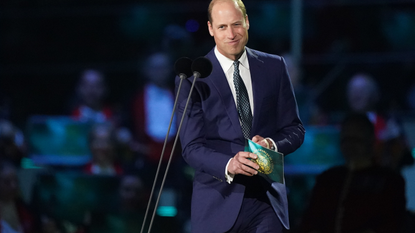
<point x="261" y="54"/>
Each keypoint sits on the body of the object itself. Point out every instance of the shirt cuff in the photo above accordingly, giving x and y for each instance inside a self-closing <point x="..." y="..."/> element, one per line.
<point x="273" y="143"/>
<point x="229" y="177"/>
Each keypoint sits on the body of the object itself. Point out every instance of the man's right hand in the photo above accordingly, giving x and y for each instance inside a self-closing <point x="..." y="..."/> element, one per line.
<point x="242" y="164"/>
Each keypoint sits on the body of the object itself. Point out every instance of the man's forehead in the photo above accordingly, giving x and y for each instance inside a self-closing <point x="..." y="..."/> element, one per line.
<point x="226" y="12"/>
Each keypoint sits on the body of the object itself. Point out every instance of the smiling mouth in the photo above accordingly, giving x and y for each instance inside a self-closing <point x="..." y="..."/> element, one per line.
<point x="233" y="42"/>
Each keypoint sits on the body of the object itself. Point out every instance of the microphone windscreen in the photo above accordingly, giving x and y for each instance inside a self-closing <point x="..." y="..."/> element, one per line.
<point x="203" y="66"/>
<point x="183" y="65"/>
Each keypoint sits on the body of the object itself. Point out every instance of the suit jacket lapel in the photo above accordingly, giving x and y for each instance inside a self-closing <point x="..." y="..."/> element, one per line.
<point x="259" y="85"/>
<point x="219" y="81"/>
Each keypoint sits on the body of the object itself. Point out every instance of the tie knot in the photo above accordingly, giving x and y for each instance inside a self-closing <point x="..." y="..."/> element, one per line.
<point x="236" y="64"/>
<point x="235" y="68"/>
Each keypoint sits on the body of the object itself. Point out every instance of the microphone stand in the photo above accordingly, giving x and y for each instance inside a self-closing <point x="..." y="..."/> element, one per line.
<point x="182" y="76"/>
<point x="196" y="75"/>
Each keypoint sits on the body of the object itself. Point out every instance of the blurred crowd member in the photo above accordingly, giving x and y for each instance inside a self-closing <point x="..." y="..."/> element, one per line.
<point x="132" y="194"/>
<point x="50" y="225"/>
<point x="358" y="196"/>
<point x="103" y="147"/>
<point x="15" y="216"/>
<point x="92" y="106"/>
<point x="152" y="107"/>
<point x="363" y="96"/>
<point x="126" y="214"/>
<point x="12" y="145"/>
<point x="91" y="98"/>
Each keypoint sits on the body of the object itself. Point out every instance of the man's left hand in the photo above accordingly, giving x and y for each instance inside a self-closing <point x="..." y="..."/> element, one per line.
<point x="262" y="141"/>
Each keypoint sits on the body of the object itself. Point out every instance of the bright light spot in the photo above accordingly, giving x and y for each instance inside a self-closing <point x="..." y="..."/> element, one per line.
<point x="166" y="211"/>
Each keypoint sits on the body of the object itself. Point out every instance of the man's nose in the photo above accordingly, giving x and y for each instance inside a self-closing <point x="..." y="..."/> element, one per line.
<point x="231" y="33"/>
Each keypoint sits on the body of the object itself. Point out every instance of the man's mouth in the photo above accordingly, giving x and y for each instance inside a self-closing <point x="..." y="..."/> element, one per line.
<point x="233" y="42"/>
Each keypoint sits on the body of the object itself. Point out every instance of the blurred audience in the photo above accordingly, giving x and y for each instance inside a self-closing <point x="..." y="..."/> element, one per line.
<point x="363" y="96"/>
<point x="103" y="147"/>
<point x="90" y="102"/>
<point x="15" y="215"/>
<point x="12" y="143"/>
<point x="151" y="110"/>
<point x="152" y="106"/>
<point x="126" y="213"/>
<point x="133" y="194"/>
<point x="359" y="196"/>
<point x="91" y="105"/>
<point x="51" y="225"/>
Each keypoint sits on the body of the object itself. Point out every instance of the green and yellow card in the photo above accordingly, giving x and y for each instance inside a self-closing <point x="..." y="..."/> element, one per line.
<point x="271" y="163"/>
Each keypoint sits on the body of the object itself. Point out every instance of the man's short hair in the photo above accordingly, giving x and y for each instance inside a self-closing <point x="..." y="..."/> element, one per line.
<point x="240" y="4"/>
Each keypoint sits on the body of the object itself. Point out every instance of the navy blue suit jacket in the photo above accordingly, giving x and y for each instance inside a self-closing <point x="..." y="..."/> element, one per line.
<point x="211" y="134"/>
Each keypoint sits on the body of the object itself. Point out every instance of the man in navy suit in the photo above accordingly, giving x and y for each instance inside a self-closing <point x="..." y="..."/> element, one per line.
<point x="228" y="195"/>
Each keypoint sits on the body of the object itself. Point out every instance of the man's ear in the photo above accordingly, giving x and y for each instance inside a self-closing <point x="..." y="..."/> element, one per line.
<point x="210" y="28"/>
<point x="247" y="22"/>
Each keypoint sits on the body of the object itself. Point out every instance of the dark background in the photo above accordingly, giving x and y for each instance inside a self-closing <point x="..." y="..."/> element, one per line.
<point x="44" y="44"/>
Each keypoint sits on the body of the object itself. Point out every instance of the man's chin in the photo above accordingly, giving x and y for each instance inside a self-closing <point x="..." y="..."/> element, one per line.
<point x="237" y="52"/>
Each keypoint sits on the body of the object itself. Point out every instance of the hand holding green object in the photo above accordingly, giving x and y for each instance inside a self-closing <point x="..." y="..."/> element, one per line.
<point x="271" y="163"/>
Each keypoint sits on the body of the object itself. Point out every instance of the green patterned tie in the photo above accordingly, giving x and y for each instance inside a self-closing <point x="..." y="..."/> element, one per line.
<point x="244" y="108"/>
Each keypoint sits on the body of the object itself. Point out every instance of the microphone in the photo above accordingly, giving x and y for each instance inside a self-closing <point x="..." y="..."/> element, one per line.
<point x="183" y="67"/>
<point x="201" y="67"/>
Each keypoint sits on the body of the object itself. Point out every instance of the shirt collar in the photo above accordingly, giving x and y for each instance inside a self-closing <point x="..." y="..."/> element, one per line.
<point x="227" y="63"/>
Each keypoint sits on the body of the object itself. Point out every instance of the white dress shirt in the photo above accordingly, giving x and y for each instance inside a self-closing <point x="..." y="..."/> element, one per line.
<point x="228" y="69"/>
<point x="227" y="66"/>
